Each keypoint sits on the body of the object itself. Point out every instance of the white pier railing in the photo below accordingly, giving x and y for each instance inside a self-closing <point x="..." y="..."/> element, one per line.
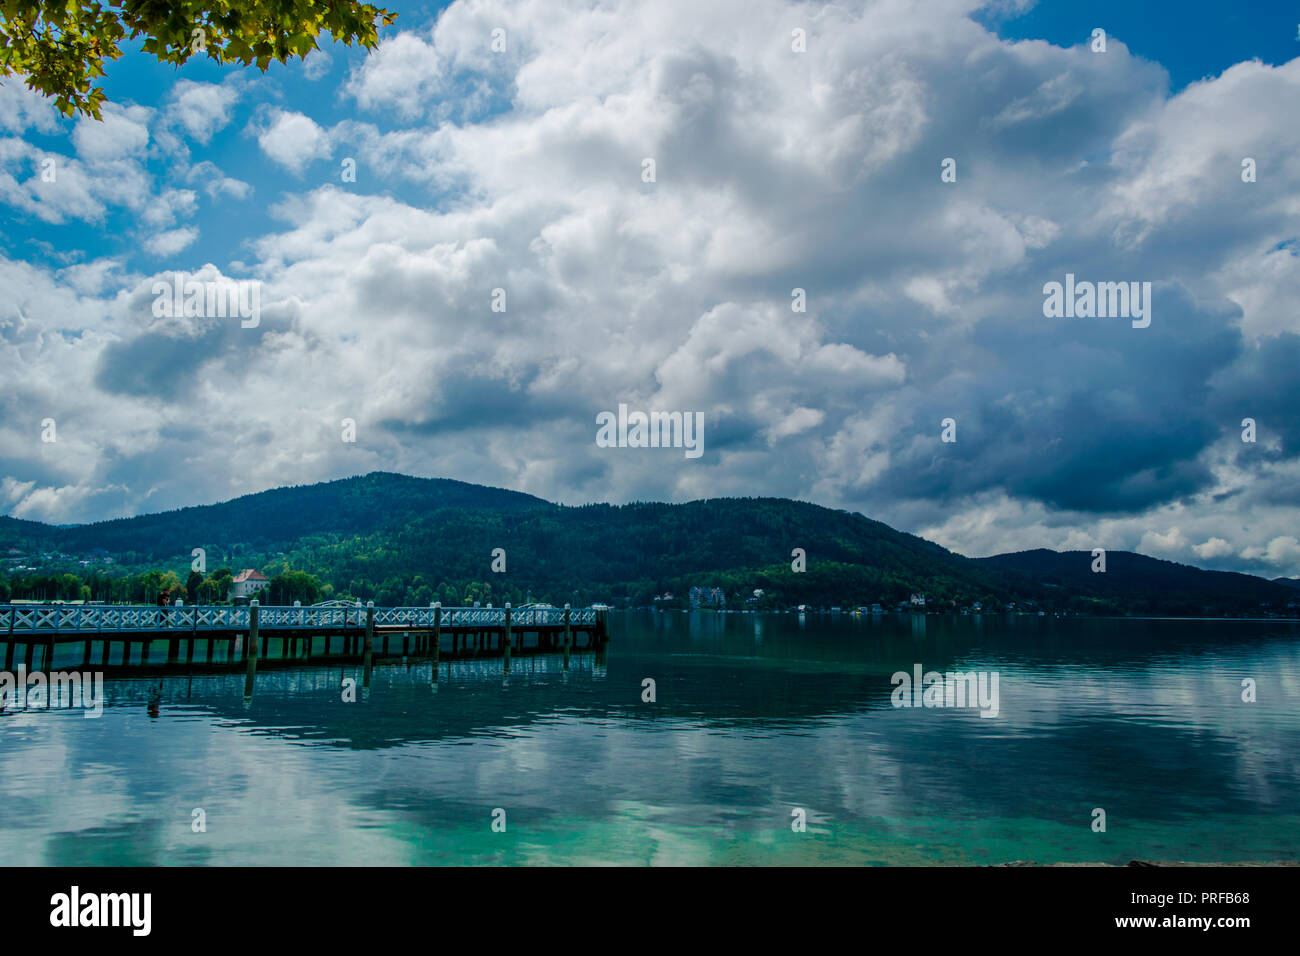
<point x="26" y="619"/>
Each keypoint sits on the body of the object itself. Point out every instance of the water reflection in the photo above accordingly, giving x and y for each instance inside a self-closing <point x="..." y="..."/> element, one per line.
<point x="753" y="716"/>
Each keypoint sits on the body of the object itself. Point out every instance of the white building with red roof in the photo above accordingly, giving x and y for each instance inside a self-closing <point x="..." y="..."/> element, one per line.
<point x="247" y="583"/>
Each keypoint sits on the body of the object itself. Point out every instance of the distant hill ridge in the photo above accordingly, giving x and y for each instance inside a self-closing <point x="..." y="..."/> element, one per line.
<point x="1129" y="574"/>
<point x="280" y="515"/>
<point x="398" y="537"/>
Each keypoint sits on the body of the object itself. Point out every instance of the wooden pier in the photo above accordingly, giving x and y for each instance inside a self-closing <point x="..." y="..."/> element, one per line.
<point x="148" y="639"/>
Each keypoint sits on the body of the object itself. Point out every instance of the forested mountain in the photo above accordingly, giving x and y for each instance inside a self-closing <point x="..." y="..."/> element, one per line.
<point x="1135" y="583"/>
<point x="277" y="517"/>
<point x="403" y="540"/>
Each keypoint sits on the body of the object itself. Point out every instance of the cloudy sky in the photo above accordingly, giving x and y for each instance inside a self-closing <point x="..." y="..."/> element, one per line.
<point x="775" y="169"/>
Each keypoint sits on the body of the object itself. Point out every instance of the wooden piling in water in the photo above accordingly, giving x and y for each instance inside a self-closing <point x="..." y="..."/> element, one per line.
<point x="505" y="638"/>
<point x="370" y="632"/>
<point x="436" y="637"/>
<point x="568" y="635"/>
<point x="252" y="649"/>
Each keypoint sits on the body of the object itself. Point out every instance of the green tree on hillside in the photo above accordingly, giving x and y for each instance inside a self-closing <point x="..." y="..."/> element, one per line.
<point x="219" y="585"/>
<point x="293" y="586"/>
<point x="478" y="591"/>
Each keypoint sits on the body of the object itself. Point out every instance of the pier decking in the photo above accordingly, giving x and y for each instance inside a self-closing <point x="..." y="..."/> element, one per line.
<point x="223" y="637"/>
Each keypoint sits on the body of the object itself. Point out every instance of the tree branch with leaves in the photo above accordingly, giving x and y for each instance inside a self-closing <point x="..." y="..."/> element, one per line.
<point x="62" y="48"/>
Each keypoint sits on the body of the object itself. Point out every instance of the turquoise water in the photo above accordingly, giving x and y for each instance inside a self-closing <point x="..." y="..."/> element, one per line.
<point x="754" y="717"/>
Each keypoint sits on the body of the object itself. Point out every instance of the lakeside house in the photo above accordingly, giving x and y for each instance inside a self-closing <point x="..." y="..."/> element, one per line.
<point x="708" y="597"/>
<point x="246" y="583"/>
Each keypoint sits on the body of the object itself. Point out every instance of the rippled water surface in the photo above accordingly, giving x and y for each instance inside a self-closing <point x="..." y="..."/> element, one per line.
<point x="754" y="717"/>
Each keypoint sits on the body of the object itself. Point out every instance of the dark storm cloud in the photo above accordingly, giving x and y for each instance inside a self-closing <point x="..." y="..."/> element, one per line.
<point x="1085" y="414"/>
<point x="1264" y="384"/>
<point x="172" y="355"/>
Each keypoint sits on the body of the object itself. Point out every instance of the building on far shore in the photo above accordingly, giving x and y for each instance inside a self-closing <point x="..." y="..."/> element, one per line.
<point x="245" y="584"/>
<point x="708" y="597"/>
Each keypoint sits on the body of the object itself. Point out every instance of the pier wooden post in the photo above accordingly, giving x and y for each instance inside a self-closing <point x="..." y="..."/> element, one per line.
<point x="505" y="638"/>
<point x="568" y="634"/>
<point x="252" y="648"/>
<point x="436" y="637"/>
<point x="370" y="638"/>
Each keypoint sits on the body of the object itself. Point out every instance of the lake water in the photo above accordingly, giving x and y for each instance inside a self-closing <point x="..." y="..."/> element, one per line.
<point x="755" y="717"/>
